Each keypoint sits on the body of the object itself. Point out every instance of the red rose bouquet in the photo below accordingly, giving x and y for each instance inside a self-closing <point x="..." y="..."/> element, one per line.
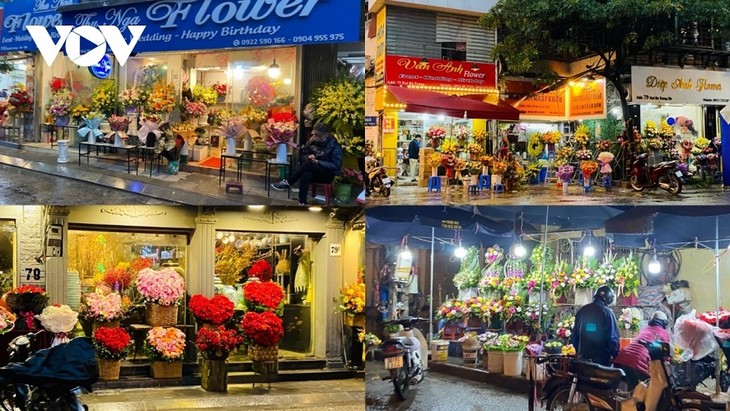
<point x="216" y="310"/>
<point x="220" y="89"/>
<point x="265" y="329"/>
<point x="217" y="342"/>
<point x="20" y="99"/>
<point x="264" y="296"/>
<point x="57" y="84"/>
<point x="261" y="269"/>
<point x="26" y="301"/>
<point x="111" y="343"/>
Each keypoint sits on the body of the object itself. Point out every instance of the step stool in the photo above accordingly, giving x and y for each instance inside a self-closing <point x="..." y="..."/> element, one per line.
<point x="326" y="188"/>
<point x="434" y="183"/>
<point x="235" y="186"/>
<point x="473" y="188"/>
<point x="485" y="181"/>
<point x="498" y="188"/>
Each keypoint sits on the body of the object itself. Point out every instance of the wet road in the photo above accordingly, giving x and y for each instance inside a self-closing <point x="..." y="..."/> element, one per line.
<point x="439" y="392"/>
<point x="21" y="186"/>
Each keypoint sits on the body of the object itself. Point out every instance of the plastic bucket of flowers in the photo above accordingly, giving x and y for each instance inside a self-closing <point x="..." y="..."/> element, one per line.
<point x="112" y="346"/>
<point x="165" y="346"/>
<point x="513" y="347"/>
<point x="495" y="357"/>
<point x="162" y="290"/>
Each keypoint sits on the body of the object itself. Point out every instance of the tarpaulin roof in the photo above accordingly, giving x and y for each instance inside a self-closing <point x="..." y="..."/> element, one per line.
<point x="422" y="101"/>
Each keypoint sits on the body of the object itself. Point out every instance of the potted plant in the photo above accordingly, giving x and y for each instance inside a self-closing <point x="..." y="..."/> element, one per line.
<point x="112" y="346"/>
<point x="211" y="312"/>
<point x="165" y="346"/>
<point x="262" y="332"/>
<point x="344" y="182"/>
<point x="215" y="344"/>
<point x="162" y="290"/>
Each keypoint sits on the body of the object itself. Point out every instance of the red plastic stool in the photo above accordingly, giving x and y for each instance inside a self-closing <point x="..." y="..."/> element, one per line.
<point x="326" y="188"/>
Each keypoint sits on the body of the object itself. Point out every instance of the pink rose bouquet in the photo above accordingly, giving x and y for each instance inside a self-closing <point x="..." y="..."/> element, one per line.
<point x="195" y="108"/>
<point x="164" y="287"/>
<point x="100" y="307"/>
<point x="280" y="129"/>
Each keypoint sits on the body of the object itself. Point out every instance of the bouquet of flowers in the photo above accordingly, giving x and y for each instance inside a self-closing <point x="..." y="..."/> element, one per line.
<point x="655" y="143"/>
<point x="628" y="320"/>
<point x="92" y="121"/>
<point x="436" y="133"/>
<point x="7" y="320"/>
<point x="231" y="261"/>
<point x="564" y="327"/>
<point x="26" y="301"/>
<point x="195" y="108"/>
<point x="118" y="125"/>
<point x="340" y="104"/>
<point x="370" y="339"/>
<point x="352" y="298"/>
<point x="550" y="137"/>
<point x="217" y="342"/>
<point x="486" y="160"/>
<point x="512" y="306"/>
<point x="627" y="276"/>
<point x="163" y="287"/>
<point x="265" y="329"/>
<point x="461" y="133"/>
<point x="473" y="168"/>
<point x="499" y="167"/>
<point x="476" y="307"/>
<point x="124" y="274"/>
<point x="261" y="269"/>
<point x="490" y="341"/>
<point x="450" y="146"/>
<point x="535" y="311"/>
<point x="111" y="343"/>
<point x="99" y="307"/>
<point x="280" y="129"/>
<point x="79" y="111"/>
<point x="132" y="97"/>
<point x="475" y="148"/>
<point x="479" y="136"/>
<point x="216" y="310"/>
<point x="535" y="146"/>
<point x="434" y="160"/>
<point x="581" y="277"/>
<point x="450" y="311"/>
<point x="469" y="273"/>
<point x="19" y="99"/>
<point x="568" y="350"/>
<point x="232" y="128"/>
<point x="588" y="168"/>
<point x="604" y="145"/>
<point x="253" y="116"/>
<point x="60" y="104"/>
<point x="582" y="134"/>
<point x="57" y="84"/>
<point x="164" y="344"/>
<point x="266" y="296"/>
<point x="562" y="155"/>
<point x="559" y="279"/>
<point x="162" y="99"/>
<point x="220" y="89"/>
<point x="354" y="145"/>
<point x="105" y="98"/>
<point x="260" y="92"/>
<point x="532" y="171"/>
<point x="60" y="320"/>
<point x="583" y="154"/>
<point x="514" y="343"/>
<point x="605" y="157"/>
<point x="565" y="173"/>
<point x="205" y="95"/>
<point x="350" y="176"/>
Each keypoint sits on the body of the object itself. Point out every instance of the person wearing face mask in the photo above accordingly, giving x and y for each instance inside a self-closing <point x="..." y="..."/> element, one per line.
<point x="634" y="358"/>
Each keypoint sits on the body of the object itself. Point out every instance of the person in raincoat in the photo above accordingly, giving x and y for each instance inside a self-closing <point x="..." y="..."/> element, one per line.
<point x="595" y="333"/>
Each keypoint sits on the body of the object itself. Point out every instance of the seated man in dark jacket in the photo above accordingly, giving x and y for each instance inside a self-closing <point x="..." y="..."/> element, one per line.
<point x="321" y="162"/>
<point x="595" y="333"/>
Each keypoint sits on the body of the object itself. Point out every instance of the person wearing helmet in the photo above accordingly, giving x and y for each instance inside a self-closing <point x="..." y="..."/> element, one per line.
<point x="595" y="333"/>
<point x="634" y="358"/>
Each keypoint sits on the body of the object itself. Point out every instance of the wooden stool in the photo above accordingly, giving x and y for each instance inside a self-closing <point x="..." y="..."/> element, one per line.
<point x="235" y="186"/>
<point x="498" y="188"/>
<point x="326" y="188"/>
<point x="434" y="183"/>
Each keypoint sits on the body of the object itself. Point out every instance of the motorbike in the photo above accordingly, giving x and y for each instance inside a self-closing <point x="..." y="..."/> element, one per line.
<point x="403" y="357"/>
<point x="583" y="385"/>
<point x="378" y="180"/>
<point x="664" y="175"/>
<point x="48" y="379"/>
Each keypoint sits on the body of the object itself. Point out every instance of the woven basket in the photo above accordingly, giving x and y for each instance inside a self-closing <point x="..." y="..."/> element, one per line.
<point x="108" y="324"/>
<point x="161" y="315"/>
<point x="264" y="360"/>
<point x="162" y="369"/>
<point x="109" y="369"/>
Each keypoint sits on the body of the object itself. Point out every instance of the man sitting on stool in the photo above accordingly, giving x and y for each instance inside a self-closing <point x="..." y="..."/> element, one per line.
<point x="321" y="161"/>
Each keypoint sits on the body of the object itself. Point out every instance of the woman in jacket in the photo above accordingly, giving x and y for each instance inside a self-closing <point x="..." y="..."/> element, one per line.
<point x="634" y="358"/>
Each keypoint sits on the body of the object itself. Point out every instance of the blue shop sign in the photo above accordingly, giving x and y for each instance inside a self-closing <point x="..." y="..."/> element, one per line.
<point x="102" y="69"/>
<point x="21" y="13"/>
<point x="371" y="121"/>
<point x="207" y="24"/>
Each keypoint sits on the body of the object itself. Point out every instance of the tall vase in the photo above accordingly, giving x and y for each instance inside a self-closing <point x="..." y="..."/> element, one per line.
<point x="62" y="120"/>
<point x="565" y="188"/>
<point x="230" y="145"/>
<point x="132" y="129"/>
<point x="281" y="151"/>
<point x="248" y="143"/>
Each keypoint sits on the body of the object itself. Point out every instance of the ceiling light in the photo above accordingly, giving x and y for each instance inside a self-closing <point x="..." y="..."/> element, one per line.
<point x="287" y="81"/>
<point x="589" y="251"/>
<point x="405" y="253"/>
<point x="519" y="250"/>
<point x="654" y="265"/>
<point x="274" y="70"/>
<point x="219" y="235"/>
<point x="460" y="251"/>
<point x="256" y="207"/>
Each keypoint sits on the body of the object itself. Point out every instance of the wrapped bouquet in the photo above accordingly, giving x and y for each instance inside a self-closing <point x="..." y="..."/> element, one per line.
<point x="60" y="320"/>
<point x="90" y="129"/>
<point x="149" y="125"/>
<point x="26" y="302"/>
<point x="280" y="129"/>
<point x="118" y="126"/>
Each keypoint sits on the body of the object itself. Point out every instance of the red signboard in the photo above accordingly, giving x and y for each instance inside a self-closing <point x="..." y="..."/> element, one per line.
<point x="414" y="71"/>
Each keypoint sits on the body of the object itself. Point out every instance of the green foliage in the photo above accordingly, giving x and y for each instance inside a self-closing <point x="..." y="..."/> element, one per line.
<point x="610" y="127"/>
<point x="340" y="104"/>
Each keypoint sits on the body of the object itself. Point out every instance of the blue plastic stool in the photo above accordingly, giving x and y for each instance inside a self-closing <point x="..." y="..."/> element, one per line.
<point x="587" y="189"/>
<point x="485" y="181"/>
<point x="434" y="183"/>
<point x="498" y="188"/>
<point x="473" y="189"/>
<point x="606" y="181"/>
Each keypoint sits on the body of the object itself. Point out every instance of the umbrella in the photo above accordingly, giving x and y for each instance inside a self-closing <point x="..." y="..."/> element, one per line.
<point x="421" y="101"/>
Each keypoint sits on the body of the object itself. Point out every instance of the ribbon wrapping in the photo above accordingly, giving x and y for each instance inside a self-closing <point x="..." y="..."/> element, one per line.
<point x="59" y="338"/>
<point x="148" y="127"/>
<point x="92" y="126"/>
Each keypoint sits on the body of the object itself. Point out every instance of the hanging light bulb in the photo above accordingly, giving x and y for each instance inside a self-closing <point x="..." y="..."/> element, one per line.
<point x="219" y="235"/>
<point x="589" y="250"/>
<point x="405" y="253"/>
<point x="460" y="251"/>
<point x="274" y="70"/>
<point x="519" y="250"/>
<point x="655" y="267"/>
<point x="231" y="238"/>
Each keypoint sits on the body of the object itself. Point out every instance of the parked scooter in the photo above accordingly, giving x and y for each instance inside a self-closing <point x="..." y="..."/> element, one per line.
<point x="664" y="175"/>
<point x="378" y="179"/>
<point x="403" y="357"/>
<point x="588" y="386"/>
<point x="48" y="379"/>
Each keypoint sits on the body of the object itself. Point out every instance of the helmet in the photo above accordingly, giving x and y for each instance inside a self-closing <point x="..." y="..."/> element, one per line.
<point x="605" y="294"/>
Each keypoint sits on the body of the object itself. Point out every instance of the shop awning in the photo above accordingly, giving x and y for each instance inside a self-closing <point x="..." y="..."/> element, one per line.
<point x="421" y="101"/>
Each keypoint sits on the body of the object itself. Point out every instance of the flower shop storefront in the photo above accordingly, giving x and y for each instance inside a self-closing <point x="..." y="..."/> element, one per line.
<point x="507" y="282"/>
<point x="215" y="281"/>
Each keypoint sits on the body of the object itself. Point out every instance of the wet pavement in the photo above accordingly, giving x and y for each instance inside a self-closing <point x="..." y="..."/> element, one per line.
<point x="549" y="194"/>
<point x="438" y="392"/>
<point x="340" y="395"/>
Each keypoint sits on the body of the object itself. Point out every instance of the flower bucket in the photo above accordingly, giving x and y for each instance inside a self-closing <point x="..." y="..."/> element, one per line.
<point x="281" y="152"/>
<point x="565" y="188"/>
<point x="495" y="363"/>
<point x="512" y="363"/>
<point x="161" y="315"/>
<point x="118" y="141"/>
<point x="109" y="369"/>
<point x="496" y="179"/>
<point x="173" y="167"/>
<point x="439" y="350"/>
<point x="542" y="177"/>
<point x="583" y="296"/>
<point x="162" y="369"/>
<point x="230" y="145"/>
<point x="107" y="324"/>
<point x="214" y="375"/>
<point x="62" y="120"/>
<point x="342" y="192"/>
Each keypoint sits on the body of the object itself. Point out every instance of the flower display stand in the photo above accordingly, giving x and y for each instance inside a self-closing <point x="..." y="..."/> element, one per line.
<point x="161" y="315"/>
<point x="165" y="370"/>
<point x="109" y="369"/>
<point x="214" y="374"/>
<point x="495" y="364"/>
<point x="512" y="362"/>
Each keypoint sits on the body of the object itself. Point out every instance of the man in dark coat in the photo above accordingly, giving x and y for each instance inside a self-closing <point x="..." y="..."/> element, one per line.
<point x="413" y="153"/>
<point x="321" y="162"/>
<point x="595" y="333"/>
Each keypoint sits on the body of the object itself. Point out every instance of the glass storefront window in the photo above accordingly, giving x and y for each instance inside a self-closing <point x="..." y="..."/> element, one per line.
<point x="7" y="255"/>
<point x="688" y="119"/>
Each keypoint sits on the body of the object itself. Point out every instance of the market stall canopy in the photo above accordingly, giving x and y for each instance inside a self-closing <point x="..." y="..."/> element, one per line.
<point x="561" y="218"/>
<point x="671" y="227"/>
<point x="422" y="101"/>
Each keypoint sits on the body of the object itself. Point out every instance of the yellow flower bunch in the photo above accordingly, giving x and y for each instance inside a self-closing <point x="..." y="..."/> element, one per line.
<point x="460" y="164"/>
<point x="206" y="95"/>
<point x="340" y="104"/>
<point x="582" y="134"/>
<point x="551" y="137"/>
<point x="480" y="136"/>
<point x="104" y="98"/>
<point x="352" y="298"/>
<point x="450" y="146"/>
<point x="568" y="350"/>
<point x="162" y="99"/>
<point x="253" y="116"/>
<point x="665" y="129"/>
<point x="475" y="148"/>
<point x="78" y="111"/>
<point x="650" y="127"/>
<point x="702" y="143"/>
<point x="434" y="160"/>
<point x="535" y="147"/>
<point x="486" y="160"/>
<point x="499" y="167"/>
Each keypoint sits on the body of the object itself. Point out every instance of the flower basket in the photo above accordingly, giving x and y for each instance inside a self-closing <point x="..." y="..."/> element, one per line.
<point x="161" y="315"/>
<point x="165" y="370"/>
<point x="265" y="360"/>
<point x="214" y="375"/>
<point x="109" y="369"/>
<point x="512" y="363"/>
<point x="107" y="324"/>
<point x="495" y="362"/>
